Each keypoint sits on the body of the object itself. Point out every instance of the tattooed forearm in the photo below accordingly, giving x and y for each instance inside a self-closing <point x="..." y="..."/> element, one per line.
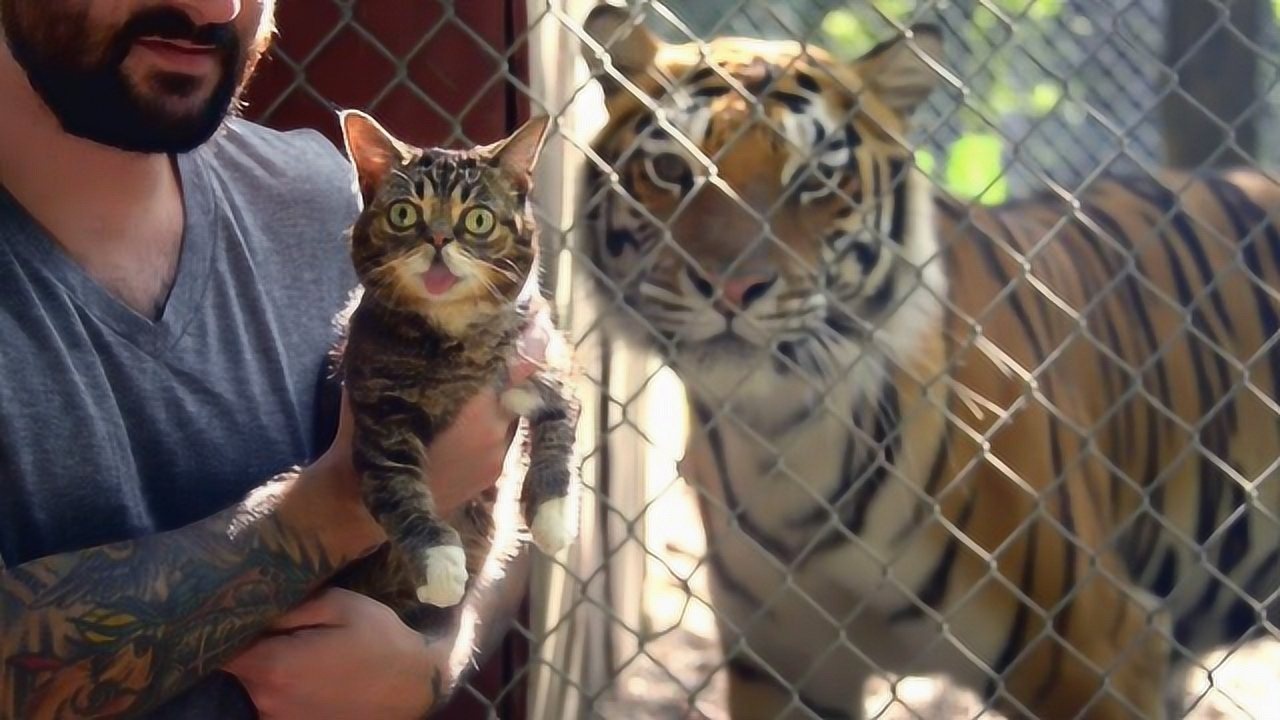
<point x="117" y="630"/>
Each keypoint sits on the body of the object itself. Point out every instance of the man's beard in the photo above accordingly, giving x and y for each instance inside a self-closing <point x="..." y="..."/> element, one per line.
<point x="84" y="83"/>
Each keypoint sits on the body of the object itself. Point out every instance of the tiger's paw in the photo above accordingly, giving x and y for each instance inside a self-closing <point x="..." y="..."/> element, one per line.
<point x="446" y="567"/>
<point x="554" y="525"/>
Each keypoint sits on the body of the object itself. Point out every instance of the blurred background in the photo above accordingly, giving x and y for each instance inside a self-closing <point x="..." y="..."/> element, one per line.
<point x="1046" y="93"/>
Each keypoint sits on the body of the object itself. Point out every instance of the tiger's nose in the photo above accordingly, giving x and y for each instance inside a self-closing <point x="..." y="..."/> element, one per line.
<point x="738" y="291"/>
<point x="743" y="291"/>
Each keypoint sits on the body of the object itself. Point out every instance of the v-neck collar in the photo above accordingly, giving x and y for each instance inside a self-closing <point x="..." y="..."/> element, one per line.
<point x="28" y="238"/>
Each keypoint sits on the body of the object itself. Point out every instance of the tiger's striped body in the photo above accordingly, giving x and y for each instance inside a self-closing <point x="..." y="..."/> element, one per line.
<point x="1029" y="446"/>
<point x="780" y="481"/>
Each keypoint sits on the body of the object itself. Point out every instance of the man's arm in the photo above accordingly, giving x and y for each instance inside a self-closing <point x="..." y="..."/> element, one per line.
<point x="341" y="654"/>
<point x="116" y="630"/>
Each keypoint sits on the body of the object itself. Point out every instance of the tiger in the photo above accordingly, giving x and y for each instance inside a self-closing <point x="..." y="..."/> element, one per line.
<point x="1030" y="447"/>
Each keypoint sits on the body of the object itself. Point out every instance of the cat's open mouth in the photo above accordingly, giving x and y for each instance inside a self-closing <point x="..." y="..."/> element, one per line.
<point x="438" y="279"/>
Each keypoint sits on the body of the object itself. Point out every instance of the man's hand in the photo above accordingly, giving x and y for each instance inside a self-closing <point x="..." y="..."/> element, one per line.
<point x="341" y="655"/>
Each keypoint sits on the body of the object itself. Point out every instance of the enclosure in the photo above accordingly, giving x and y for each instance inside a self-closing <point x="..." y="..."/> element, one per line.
<point x="1043" y="95"/>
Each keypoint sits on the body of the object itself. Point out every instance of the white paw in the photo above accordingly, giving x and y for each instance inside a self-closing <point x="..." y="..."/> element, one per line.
<point x="523" y="401"/>
<point x="554" y="525"/>
<point x="446" y="576"/>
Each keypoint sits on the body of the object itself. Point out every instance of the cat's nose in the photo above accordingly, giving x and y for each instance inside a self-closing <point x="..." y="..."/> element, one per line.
<point x="439" y="241"/>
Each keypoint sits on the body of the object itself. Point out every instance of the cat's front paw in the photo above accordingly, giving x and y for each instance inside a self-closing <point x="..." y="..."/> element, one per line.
<point x="446" y="567"/>
<point x="523" y="400"/>
<point x="554" y="525"/>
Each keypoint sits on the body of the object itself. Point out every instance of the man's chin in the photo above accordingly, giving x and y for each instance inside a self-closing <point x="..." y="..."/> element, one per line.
<point x="149" y="125"/>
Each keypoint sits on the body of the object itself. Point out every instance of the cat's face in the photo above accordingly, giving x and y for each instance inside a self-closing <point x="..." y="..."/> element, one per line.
<point x="443" y="231"/>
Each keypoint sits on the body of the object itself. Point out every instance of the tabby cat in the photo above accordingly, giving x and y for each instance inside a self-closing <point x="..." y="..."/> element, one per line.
<point x="447" y="256"/>
<point x="1030" y="446"/>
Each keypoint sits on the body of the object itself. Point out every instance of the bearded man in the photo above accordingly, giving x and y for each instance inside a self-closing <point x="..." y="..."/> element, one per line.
<point x="169" y="275"/>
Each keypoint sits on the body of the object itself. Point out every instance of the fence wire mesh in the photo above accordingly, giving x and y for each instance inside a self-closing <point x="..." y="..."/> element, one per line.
<point x="1040" y="95"/>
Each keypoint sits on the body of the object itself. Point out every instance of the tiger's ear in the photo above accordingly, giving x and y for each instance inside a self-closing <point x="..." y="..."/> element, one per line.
<point x="373" y="151"/>
<point x="627" y="44"/>
<point x="898" y="72"/>
<point x="518" y="154"/>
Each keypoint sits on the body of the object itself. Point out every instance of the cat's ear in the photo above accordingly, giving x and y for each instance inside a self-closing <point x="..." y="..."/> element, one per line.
<point x="374" y="151"/>
<point x="519" y="153"/>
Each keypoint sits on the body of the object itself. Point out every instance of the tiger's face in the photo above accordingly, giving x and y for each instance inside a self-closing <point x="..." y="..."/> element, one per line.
<point x="760" y="209"/>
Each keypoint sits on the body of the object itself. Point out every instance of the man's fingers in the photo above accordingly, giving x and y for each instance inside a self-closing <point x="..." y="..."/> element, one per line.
<point x="528" y="358"/>
<point x="532" y="347"/>
<point x="259" y="663"/>
<point x="323" y="609"/>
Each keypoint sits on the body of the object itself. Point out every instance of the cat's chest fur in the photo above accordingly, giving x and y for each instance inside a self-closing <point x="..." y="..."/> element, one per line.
<point x="394" y="357"/>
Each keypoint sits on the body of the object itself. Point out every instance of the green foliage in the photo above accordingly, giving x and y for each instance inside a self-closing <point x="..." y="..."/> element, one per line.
<point x="1045" y="96"/>
<point x="974" y="168"/>
<point x="926" y="161"/>
<point x="848" y="33"/>
<point x="1032" y="9"/>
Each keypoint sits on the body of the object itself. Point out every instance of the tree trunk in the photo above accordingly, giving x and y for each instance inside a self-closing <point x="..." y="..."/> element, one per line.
<point x="1211" y="113"/>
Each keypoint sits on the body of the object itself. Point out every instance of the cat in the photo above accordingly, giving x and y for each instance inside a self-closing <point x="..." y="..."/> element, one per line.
<point x="446" y="252"/>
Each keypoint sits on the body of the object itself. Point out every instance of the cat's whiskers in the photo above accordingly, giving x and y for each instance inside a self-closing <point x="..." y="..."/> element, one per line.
<point x="512" y="276"/>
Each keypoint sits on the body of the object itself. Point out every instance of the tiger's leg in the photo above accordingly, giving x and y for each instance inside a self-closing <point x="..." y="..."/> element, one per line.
<point x="1110" y="662"/>
<point x="1175" y="693"/>
<point x="753" y="693"/>
<point x="756" y="694"/>
<point x="780" y="664"/>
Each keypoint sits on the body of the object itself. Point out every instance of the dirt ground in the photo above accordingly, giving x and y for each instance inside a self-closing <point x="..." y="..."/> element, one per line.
<point x="678" y="681"/>
<point x="677" y="675"/>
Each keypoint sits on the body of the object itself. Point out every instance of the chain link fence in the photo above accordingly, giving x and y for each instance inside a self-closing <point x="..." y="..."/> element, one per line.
<point x="1050" y="94"/>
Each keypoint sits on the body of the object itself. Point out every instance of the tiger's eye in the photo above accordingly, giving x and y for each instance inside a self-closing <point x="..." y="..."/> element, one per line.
<point x="668" y="168"/>
<point x="478" y="221"/>
<point x="402" y="215"/>
<point x="812" y="184"/>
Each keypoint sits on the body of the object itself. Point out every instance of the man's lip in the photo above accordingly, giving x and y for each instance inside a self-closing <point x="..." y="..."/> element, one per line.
<point x="178" y="55"/>
<point x="183" y="46"/>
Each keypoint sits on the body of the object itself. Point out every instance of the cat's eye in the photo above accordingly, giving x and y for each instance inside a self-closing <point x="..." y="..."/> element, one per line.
<point x="478" y="221"/>
<point x="669" y="170"/>
<point x="403" y="215"/>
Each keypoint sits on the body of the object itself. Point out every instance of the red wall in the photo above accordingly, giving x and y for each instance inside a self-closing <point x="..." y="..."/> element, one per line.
<point x="456" y="63"/>
<point x="459" y="60"/>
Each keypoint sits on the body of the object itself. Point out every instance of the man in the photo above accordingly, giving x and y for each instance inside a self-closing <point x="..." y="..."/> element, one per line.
<point x="168" y="284"/>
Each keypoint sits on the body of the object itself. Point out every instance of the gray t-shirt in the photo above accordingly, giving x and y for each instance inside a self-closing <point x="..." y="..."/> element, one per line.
<point x="113" y="426"/>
